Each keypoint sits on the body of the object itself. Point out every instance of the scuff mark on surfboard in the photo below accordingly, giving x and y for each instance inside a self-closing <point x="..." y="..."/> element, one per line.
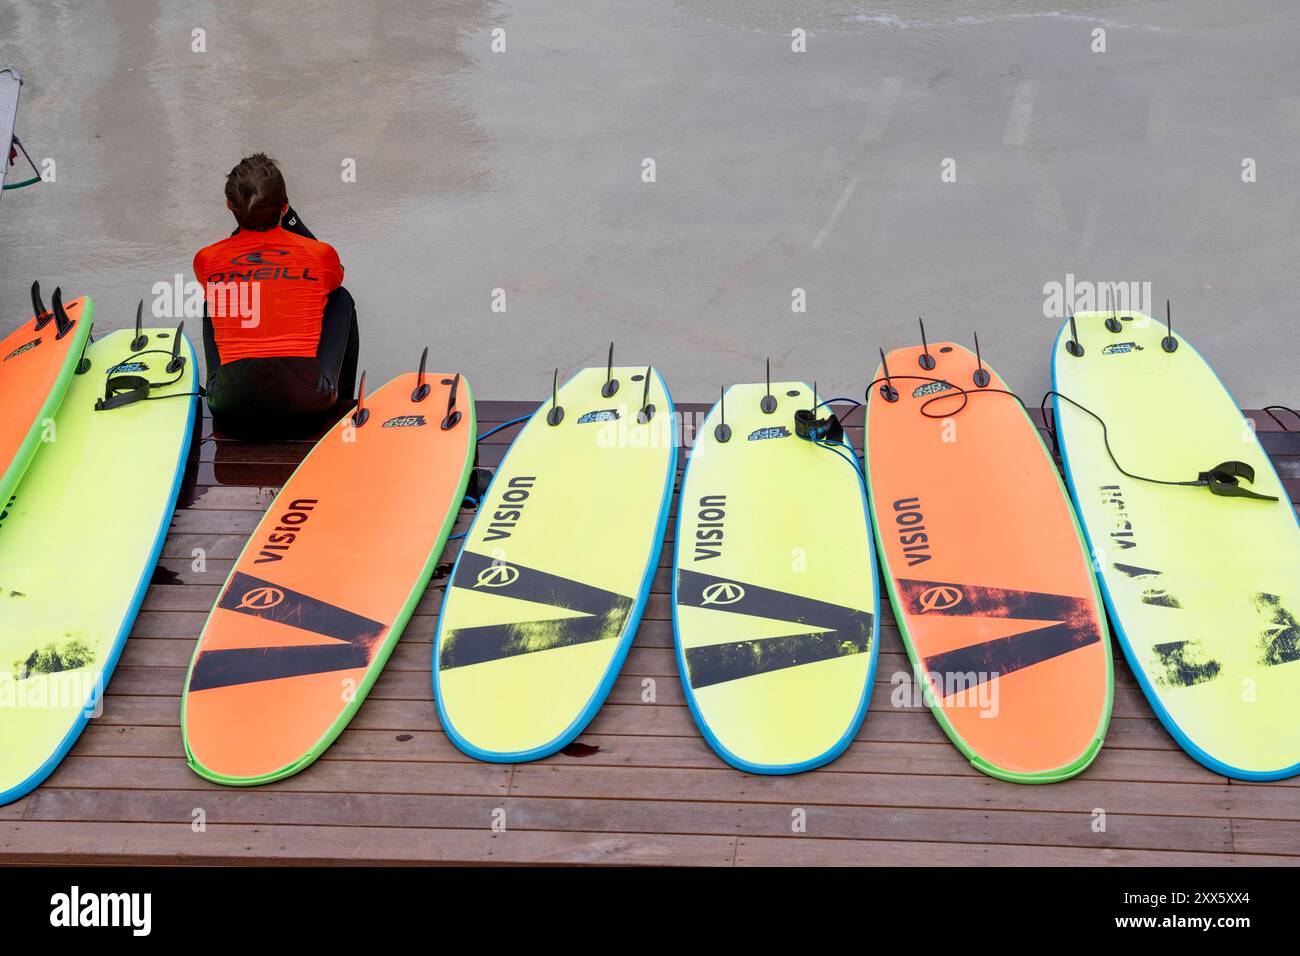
<point x="1280" y="640"/>
<point x="1153" y="595"/>
<point x="1178" y="666"/>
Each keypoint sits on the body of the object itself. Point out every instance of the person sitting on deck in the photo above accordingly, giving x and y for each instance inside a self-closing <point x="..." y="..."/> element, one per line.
<point x="279" y="330"/>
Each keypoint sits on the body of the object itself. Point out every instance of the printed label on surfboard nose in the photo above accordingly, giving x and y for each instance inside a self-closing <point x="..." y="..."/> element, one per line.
<point x="23" y="348"/>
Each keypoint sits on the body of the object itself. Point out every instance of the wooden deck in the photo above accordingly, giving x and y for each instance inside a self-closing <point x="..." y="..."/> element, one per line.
<point x="639" y="787"/>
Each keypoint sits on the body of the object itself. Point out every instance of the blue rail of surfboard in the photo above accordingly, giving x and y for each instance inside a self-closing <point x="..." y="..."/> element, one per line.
<point x="128" y="620"/>
<point x="1135" y="665"/>
<point x="570" y="733"/>
<point x="851" y="731"/>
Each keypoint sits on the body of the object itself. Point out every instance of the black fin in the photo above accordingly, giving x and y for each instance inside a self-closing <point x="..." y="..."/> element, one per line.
<point x="39" y="312"/>
<point x="981" y="376"/>
<point x="556" y="414"/>
<point x="722" y="431"/>
<point x="61" y="318"/>
<point x="422" y="389"/>
<point x="768" y="404"/>
<point x="926" y="361"/>
<point x="611" y="383"/>
<point x="141" y="340"/>
<point x="362" y="414"/>
<point x="453" y="413"/>
<point x="887" y="391"/>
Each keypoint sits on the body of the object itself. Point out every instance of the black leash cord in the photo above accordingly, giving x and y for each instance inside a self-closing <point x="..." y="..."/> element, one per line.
<point x="1221" y="479"/>
<point x="1105" y="437"/>
<point x="1268" y="410"/>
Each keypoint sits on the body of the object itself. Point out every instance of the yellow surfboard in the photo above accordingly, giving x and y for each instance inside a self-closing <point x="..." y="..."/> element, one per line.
<point x="775" y="598"/>
<point x="1203" y="589"/>
<point x="79" y="541"/>
<point x="553" y="575"/>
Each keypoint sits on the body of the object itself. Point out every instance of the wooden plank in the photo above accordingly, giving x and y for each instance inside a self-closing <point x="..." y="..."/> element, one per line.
<point x="261" y="807"/>
<point x="1079" y="795"/>
<point x="1266" y="836"/>
<point x="176" y="843"/>
<point x="804" y="851"/>
<point x="345" y="776"/>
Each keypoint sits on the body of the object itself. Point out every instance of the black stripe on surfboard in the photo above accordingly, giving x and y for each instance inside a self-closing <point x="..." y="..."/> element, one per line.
<point x="972" y="600"/>
<point x="478" y="572"/>
<point x="719" y="663"/>
<point x="604" y="613"/>
<point x="250" y="665"/>
<point x="478" y="645"/>
<point x="246" y="594"/>
<point x="985" y="661"/>
<point x="257" y="597"/>
<point x="848" y="629"/>
<point x="727" y="594"/>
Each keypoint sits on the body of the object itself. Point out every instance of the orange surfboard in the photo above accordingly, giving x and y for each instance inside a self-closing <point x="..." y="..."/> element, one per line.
<point x="37" y="362"/>
<point x="325" y="586"/>
<point x="987" y="571"/>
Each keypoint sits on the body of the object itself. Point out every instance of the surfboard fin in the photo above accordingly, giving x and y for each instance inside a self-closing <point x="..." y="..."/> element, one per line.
<point x="611" y="383"/>
<point x="453" y="415"/>
<point x="981" y="375"/>
<point x="422" y="389"/>
<point x="1113" y="324"/>
<point x="1073" y="346"/>
<point x="361" y="414"/>
<point x="41" y="314"/>
<point x="1223" y="479"/>
<point x="141" y="340"/>
<point x="1169" y="343"/>
<point x="887" y="391"/>
<point x="768" y="404"/>
<point x="647" y="411"/>
<point x="722" y="431"/>
<point x="61" y="318"/>
<point x="178" y="361"/>
<point x="556" y="414"/>
<point x="925" y="360"/>
<point x="83" y="363"/>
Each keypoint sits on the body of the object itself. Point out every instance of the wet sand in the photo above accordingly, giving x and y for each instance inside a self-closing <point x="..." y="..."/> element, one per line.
<point x="775" y="171"/>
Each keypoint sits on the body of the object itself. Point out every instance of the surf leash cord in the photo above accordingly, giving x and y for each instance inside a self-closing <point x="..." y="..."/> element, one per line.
<point x="1269" y="409"/>
<point x="496" y="428"/>
<point x="13" y="157"/>
<point x="1222" y="479"/>
<point x="828" y="433"/>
